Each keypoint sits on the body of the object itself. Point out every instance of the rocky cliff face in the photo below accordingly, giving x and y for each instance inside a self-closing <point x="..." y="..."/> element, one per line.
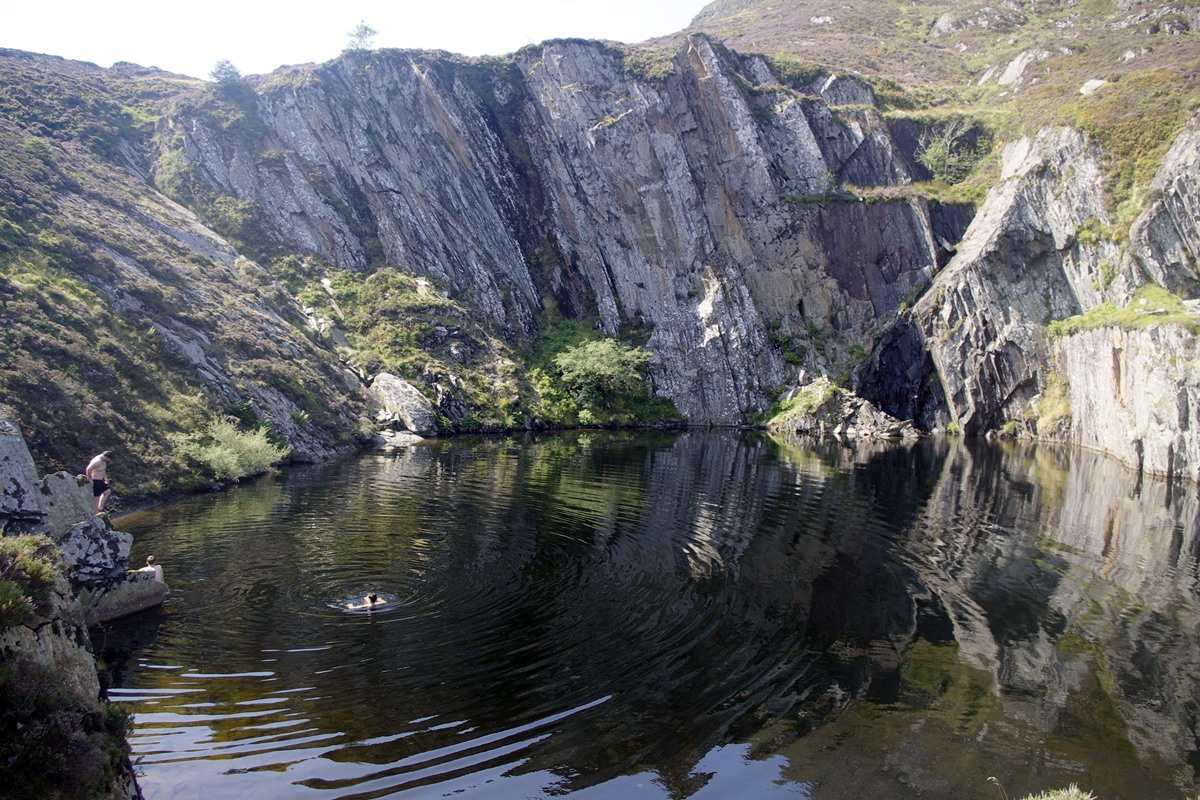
<point x="685" y="198"/>
<point x="55" y="640"/>
<point x="696" y="203"/>
<point x="976" y="350"/>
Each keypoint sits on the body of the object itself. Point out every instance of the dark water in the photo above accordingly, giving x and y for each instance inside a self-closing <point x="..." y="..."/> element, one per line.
<point x="671" y="616"/>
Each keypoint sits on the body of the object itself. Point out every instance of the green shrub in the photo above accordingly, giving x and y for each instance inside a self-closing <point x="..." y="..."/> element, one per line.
<point x="228" y="453"/>
<point x="598" y="382"/>
<point x="947" y="154"/>
<point x="28" y="567"/>
<point x="598" y="372"/>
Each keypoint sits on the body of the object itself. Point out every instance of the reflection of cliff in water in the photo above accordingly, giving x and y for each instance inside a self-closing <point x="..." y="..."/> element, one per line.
<point x="1055" y="628"/>
<point x="581" y="608"/>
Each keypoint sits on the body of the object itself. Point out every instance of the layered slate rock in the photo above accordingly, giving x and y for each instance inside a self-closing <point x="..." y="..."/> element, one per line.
<point x="679" y="204"/>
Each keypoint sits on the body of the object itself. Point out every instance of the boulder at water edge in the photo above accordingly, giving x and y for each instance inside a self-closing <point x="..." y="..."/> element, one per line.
<point x="400" y="399"/>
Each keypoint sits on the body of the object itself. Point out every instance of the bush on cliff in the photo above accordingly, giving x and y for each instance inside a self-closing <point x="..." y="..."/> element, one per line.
<point x="599" y="382"/>
<point x="28" y="566"/>
<point x="225" y="452"/>
<point x="53" y="745"/>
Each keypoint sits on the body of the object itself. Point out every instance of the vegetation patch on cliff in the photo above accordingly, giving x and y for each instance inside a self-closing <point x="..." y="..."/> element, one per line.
<point x="581" y="377"/>
<point x="28" y="567"/>
<point x="54" y="746"/>
<point x="1151" y="305"/>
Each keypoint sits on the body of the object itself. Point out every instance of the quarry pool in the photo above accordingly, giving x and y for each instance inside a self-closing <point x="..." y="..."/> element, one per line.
<point x="671" y="615"/>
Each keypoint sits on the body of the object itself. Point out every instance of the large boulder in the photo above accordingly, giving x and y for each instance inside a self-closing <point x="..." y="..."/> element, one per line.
<point x="20" y="503"/>
<point x="401" y="400"/>
<point x="133" y="592"/>
<point x="66" y="501"/>
<point x="93" y="553"/>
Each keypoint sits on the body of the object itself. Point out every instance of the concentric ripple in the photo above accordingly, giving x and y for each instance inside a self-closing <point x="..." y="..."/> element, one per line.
<point x="609" y="616"/>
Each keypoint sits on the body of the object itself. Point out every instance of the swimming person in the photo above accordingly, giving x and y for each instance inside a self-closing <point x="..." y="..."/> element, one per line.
<point x="369" y="602"/>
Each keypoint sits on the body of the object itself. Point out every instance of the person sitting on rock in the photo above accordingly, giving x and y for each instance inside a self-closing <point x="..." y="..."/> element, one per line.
<point x="153" y="566"/>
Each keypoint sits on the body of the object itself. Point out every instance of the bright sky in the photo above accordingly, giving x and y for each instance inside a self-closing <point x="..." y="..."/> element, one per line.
<point x="190" y="37"/>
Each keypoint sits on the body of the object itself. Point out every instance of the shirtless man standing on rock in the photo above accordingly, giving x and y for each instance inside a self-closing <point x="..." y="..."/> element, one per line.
<point x="97" y="472"/>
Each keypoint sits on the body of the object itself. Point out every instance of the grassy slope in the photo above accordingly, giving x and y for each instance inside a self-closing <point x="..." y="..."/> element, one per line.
<point x="916" y="65"/>
<point x="92" y="258"/>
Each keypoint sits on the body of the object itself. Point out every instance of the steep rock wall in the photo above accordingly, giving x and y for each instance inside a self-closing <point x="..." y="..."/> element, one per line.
<point x="697" y="204"/>
<point x="1136" y="395"/>
<point x="983" y="322"/>
<point x="975" y="350"/>
<point x="56" y="637"/>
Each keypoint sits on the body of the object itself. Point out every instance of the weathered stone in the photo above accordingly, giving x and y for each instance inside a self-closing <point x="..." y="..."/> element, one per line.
<point x="1136" y="395"/>
<point x="400" y="398"/>
<point x="18" y="476"/>
<point x="129" y="594"/>
<point x="67" y="499"/>
<point x="58" y="641"/>
<point x="824" y="410"/>
<point x="389" y="441"/>
<point x="93" y="553"/>
<point x="1164" y="242"/>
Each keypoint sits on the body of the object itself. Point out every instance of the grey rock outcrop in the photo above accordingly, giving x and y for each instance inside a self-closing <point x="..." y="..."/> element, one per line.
<point x="92" y="554"/>
<point x="58" y="640"/>
<point x="1020" y="266"/>
<point x="401" y="400"/>
<point x="66" y="500"/>
<point x="699" y="205"/>
<point x="975" y="351"/>
<point x="94" y="557"/>
<point x="20" y="503"/>
<point x="1164" y="242"/>
<point x="128" y="594"/>
<point x="823" y="410"/>
<point x="1136" y="395"/>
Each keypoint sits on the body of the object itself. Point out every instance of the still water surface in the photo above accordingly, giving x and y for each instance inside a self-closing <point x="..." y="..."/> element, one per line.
<point x="683" y="615"/>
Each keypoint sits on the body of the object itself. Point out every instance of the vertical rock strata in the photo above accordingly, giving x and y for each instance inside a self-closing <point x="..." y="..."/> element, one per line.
<point x="697" y="204"/>
<point x="976" y="351"/>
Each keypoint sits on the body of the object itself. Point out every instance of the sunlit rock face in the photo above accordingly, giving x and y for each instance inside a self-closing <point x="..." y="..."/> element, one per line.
<point x="977" y="350"/>
<point x="696" y="203"/>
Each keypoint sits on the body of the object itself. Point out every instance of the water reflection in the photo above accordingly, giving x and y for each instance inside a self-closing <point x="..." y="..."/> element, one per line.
<point x="672" y="615"/>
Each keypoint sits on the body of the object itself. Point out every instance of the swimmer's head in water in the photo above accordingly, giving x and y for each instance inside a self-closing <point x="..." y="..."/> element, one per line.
<point x="374" y="598"/>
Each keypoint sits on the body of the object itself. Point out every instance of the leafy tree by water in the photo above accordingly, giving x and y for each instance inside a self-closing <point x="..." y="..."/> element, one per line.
<point x="599" y="382"/>
<point x="601" y="371"/>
